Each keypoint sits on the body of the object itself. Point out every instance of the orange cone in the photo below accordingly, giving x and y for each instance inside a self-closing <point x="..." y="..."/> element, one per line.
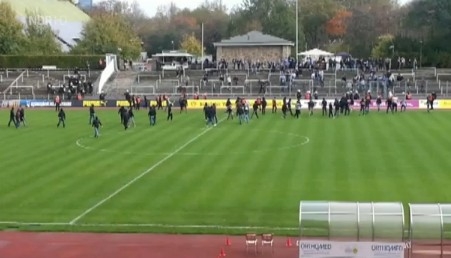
<point x="222" y="253"/>
<point x="288" y="243"/>
<point x="228" y="242"/>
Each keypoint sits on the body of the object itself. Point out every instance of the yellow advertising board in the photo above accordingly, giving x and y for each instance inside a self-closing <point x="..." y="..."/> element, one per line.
<point x="221" y="103"/>
<point x="444" y="103"/>
<point x="199" y="104"/>
<point x="124" y="103"/>
<point x="154" y="102"/>
<point x="96" y="103"/>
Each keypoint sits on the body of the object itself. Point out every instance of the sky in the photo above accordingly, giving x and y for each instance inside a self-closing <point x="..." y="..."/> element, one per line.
<point x="150" y="6"/>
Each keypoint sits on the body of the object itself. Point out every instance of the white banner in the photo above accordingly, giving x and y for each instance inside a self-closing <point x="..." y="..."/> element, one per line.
<point x="423" y="104"/>
<point x="331" y="249"/>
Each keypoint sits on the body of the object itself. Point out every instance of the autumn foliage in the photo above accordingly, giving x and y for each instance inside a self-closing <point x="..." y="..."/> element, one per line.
<point x="337" y="25"/>
<point x="191" y="45"/>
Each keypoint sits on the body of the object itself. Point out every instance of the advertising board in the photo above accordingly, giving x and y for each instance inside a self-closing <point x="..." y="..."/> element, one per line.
<point x="325" y="249"/>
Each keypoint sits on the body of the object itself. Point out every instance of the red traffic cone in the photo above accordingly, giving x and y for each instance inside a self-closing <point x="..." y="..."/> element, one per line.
<point x="222" y="253"/>
<point x="228" y="242"/>
<point x="288" y="243"/>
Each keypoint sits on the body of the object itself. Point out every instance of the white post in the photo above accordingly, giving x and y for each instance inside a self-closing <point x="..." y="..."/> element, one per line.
<point x="297" y="31"/>
<point x="447" y="84"/>
<point x="202" y="59"/>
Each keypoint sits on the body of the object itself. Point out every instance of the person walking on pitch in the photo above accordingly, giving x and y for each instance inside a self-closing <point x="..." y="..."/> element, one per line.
<point x="12" y="117"/>
<point x="96" y="124"/>
<point x="92" y="114"/>
<point x="152" y="115"/>
<point x="61" y="118"/>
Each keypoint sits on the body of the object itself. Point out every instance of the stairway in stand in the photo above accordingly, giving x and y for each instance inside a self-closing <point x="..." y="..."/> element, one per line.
<point x="121" y="81"/>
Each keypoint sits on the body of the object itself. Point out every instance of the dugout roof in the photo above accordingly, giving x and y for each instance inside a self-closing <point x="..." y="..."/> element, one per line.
<point x="430" y="224"/>
<point x="352" y="221"/>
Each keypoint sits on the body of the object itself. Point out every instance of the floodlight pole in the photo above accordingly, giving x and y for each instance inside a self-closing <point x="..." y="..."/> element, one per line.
<point x="202" y="59"/>
<point x="421" y="52"/>
<point x="297" y="31"/>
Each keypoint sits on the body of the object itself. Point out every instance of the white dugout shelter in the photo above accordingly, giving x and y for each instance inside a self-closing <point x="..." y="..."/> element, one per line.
<point x="430" y="227"/>
<point x="352" y="221"/>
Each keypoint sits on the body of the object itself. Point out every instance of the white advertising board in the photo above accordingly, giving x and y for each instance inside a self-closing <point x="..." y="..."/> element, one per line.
<point x="332" y="249"/>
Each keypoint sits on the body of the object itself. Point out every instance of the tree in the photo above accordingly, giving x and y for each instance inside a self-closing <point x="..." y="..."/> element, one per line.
<point x="215" y="21"/>
<point x="240" y="24"/>
<point x="275" y="16"/>
<point x="131" y="11"/>
<point x="40" y="38"/>
<point x="432" y="17"/>
<point x="315" y="15"/>
<point x="12" y="38"/>
<point x="109" y="33"/>
<point x="383" y="46"/>
<point x="338" y="25"/>
<point x="191" y="45"/>
<point x="369" y="20"/>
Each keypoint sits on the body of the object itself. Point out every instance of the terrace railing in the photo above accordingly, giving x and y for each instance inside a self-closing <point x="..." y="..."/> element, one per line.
<point x="19" y="94"/>
<point x="14" y="84"/>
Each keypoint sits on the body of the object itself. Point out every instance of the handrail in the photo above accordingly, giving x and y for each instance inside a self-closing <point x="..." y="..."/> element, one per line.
<point x="14" y="82"/>
<point x="24" y="87"/>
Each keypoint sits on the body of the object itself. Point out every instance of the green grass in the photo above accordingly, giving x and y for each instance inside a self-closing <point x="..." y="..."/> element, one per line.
<point x="250" y="175"/>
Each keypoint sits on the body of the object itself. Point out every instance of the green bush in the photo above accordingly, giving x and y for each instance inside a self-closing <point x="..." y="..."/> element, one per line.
<point x="62" y="61"/>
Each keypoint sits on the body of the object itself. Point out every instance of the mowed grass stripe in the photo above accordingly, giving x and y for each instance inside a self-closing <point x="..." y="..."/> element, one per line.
<point x="240" y="178"/>
<point x="393" y="162"/>
<point x="371" y="150"/>
<point x="212" y="171"/>
<point x="169" y="166"/>
<point x="96" y="162"/>
<point x="147" y="170"/>
<point x="287" y="174"/>
<point x="408" y="157"/>
<point x="435" y="152"/>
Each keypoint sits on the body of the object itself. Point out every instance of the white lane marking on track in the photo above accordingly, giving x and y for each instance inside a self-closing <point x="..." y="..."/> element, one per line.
<point x="122" y="188"/>
<point x="148" y="225"/>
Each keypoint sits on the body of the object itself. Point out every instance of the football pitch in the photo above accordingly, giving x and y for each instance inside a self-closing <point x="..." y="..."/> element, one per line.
<point x="183" y="177"/>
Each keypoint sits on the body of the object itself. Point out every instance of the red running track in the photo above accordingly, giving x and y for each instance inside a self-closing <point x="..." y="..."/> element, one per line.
<point x="96" y="245"/>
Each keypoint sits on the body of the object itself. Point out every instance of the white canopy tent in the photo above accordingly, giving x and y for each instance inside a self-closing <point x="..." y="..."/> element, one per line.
<point x="315" y="53"/>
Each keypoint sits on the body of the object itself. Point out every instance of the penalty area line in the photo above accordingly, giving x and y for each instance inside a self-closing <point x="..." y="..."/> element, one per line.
<point x="146" y="225"/>
<point x="150" y="169"/>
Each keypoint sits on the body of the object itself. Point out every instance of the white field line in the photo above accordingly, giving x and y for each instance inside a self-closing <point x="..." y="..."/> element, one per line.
<point x="33" y="223"/>
<point x="125" y="186"/>
<point x="146" y="225"/>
